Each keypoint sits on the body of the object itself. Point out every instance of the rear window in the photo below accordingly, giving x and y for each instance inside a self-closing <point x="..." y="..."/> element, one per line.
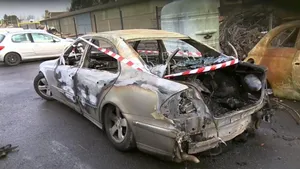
<point x="1" y="37"/>
<point x="20" y="38"/>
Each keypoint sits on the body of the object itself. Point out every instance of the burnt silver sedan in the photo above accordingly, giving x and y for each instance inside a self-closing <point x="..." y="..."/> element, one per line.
<point x="162" y="92"/>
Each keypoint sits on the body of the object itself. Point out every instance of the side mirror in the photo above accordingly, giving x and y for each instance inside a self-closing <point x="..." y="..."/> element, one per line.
<point x="54" y="41"/>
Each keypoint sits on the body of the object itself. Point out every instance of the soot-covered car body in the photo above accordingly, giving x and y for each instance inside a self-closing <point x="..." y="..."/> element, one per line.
<point x="142" y="100"/>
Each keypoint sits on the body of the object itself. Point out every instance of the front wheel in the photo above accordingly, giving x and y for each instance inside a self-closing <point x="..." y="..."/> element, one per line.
<point x="118" y="130"/>
<point x="41" y="87"/>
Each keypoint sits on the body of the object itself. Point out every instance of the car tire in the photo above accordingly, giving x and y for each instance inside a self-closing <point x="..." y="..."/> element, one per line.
<point x="118" y="130"/>
<point x="12" y="59"/>
<point x="41" y="87"/>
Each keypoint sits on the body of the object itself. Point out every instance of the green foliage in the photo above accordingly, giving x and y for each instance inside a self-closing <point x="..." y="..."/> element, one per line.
<point x="79" y="4"/>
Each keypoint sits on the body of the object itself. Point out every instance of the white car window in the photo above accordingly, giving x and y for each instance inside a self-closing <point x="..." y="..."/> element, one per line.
<point x="2" y="37"/>
<point x="42" y="38"/>
<point x="20" y="38"/>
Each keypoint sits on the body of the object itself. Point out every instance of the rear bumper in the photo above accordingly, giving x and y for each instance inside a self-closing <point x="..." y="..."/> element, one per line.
<point x="179" y="146"/>
<point x="226" y="133"/>
<point x="1" y="57"/>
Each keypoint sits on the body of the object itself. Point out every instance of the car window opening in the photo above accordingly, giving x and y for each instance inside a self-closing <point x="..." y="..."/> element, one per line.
<point x="98" y="60"/>
<point x="287" y="38"/>
<point x="74" y="53"/>
<point x="188" y="55"/>
<point x="2" y="37"/>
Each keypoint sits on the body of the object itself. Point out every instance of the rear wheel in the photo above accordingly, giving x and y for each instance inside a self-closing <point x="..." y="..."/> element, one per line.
<point x="42" y="88"/>
<point x="12" y="59"/>
<point x="118" y="130"/>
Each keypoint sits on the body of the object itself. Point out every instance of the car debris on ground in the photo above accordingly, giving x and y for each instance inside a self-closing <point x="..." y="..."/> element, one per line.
<point x="7" y="149"/>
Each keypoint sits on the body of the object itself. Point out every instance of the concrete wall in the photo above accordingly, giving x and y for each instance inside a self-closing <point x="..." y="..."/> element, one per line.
<point x="107" y="20"/>
<point x="67" y="25"/>
<point x="135" y="16"/>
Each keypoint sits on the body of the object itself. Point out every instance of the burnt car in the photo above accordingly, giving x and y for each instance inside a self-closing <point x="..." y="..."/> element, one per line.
<point x="279" y="50"/>
<point x="167" y="101"/>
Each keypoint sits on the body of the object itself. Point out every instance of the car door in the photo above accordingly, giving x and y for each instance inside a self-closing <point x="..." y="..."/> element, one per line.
<point x="22" y="44"/>
<point x="95" y="78"/>
<point x="279" y="55"/>
<point x="65" y="87"/>
<point x="296" y="67"/>
<point x="46" y="45"/>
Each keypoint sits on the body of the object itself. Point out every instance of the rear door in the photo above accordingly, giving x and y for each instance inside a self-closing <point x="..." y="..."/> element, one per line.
<point x="46" y="45"/>
<point x="95" y="78"/>
<point x="22" y="44"/>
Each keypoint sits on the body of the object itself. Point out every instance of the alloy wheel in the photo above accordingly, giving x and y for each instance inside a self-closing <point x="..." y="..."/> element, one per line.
<point x="43" y="87"/>
<point x="118" y="126"/>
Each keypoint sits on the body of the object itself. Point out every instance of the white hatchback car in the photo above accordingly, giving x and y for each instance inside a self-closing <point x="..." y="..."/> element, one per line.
<point x="18" y="46"/>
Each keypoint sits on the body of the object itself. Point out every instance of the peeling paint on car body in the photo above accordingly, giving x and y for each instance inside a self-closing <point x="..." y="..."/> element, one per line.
<point x="282" y="62"/>
<point x="166" y="115"/>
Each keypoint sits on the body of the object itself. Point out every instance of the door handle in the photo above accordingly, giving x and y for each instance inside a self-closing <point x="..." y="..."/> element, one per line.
<point x="297" y="63"/>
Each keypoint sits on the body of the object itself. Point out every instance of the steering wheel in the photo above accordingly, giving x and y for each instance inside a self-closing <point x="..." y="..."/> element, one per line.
<point x="169" y="59"/>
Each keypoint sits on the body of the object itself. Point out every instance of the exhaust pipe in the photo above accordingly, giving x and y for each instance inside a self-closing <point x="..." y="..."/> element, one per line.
<point x="187" y="157"/>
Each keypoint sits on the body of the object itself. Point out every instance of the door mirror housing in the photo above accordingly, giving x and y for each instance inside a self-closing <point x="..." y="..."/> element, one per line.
<point x="55" y="40"/>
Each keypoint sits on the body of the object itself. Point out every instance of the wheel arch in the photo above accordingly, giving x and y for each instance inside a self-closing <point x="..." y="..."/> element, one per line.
<point x="103" y="109"/>
<point x="13" y="53"/>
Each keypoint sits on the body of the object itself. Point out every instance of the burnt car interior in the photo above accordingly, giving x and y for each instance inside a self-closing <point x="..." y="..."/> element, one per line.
<point x="98" y="60"/>
<point x="74" y="53"/>
<point x="94" y="58"/>
<point x="224" y="90"/>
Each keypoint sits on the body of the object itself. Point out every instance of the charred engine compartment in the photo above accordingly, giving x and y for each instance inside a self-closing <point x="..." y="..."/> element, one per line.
<point x="229" y="89"/>
<point x="223" y="90"/>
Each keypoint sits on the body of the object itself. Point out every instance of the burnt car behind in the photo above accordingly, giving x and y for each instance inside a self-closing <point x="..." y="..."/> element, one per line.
<point x="130" y="84"/>
<point x="278" y="50"/>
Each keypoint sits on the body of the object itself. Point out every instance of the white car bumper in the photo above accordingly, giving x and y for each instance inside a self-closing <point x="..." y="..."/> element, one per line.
<point x="1" y="56"/>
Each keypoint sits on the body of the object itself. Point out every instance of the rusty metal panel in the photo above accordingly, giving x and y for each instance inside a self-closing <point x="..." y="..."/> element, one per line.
<point x="283" y="71"/>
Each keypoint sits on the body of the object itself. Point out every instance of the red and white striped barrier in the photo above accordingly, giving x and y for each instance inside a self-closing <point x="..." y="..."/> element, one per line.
<point x="205" y="69"/>
<point x="194" y="54"/>
<point x="116" y="56"/>
<point x="133" y="65"/>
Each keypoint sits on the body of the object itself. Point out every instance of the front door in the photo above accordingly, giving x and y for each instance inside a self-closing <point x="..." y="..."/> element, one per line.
<point x="46" y="45"/>
<point x="97" y="75"/>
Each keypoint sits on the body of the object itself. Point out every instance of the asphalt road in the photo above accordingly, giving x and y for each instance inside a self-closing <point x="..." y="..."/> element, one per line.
<point x="52" y="136"/>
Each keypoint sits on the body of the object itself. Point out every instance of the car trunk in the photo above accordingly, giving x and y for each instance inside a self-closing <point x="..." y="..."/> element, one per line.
<point x="229" y="89"/>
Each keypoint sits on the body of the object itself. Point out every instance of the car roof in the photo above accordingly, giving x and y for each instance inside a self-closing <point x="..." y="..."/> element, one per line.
<point x="135" y="34"/>
<point x="24" y="31"/>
